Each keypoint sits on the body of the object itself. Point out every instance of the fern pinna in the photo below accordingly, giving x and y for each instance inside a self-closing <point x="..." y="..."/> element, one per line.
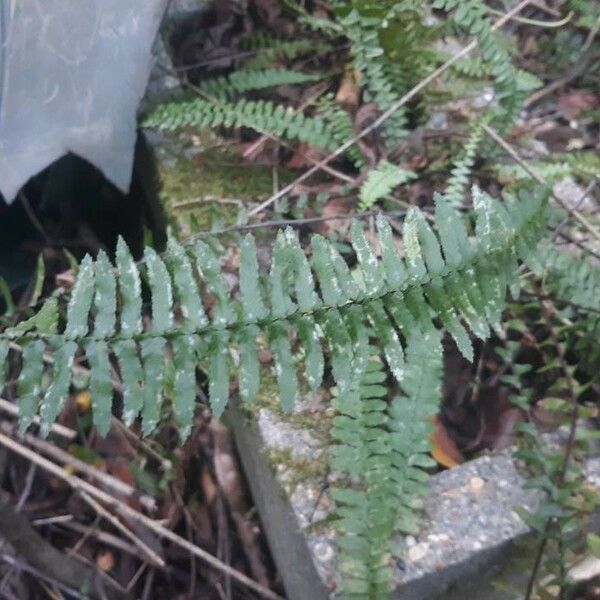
<point x="399" y="304"/>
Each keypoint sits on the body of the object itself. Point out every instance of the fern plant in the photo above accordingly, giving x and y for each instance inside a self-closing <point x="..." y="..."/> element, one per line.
<point x="240" y="82"/>
<point x="445" y="277"/>
<point x="261" y="115"/>
<point x="380" y="182"/>
<point x="472" y="17"/>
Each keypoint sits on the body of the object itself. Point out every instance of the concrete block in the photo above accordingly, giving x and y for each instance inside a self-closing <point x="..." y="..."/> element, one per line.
<point x="468" y="527"/>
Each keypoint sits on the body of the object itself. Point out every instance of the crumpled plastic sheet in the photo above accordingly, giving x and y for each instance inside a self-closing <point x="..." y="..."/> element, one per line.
<point x="72" y="74"/>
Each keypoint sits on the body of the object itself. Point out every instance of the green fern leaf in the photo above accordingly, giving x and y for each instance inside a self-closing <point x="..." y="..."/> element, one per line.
<point x="30" y="381"/>
<point x="105" y="297"/>
<point x="249" y="363"/>
<point x="161" y="290"/>
<point x="311" y="342"/>
<point x="369" y="266"/>
<point x="394" y="268"/>
<point x="218" y="372"/>
<point x="392" y="348"/>
<point x="186" y="287"/>
<point x="245" y="81"/>
<point x="56" y="394"/>
<point x="132" y="376"/>
<point x="415" y="264"/>
<point x="81" y="300"/>
<point x="252" y="299"/>
<point x="380" y="182"/>
<point x="184" y="386"/>
<point x="279" y="341"/>
<point x="216" y="284"/>
<point x="130" y="288"/>
<point x="152" y="352"/>
<point x="101" y="387"/>
<point x="44" y="321"/>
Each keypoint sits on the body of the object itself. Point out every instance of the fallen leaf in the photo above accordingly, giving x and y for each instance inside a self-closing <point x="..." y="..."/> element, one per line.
<point x="334" y="206"/>
<point x="105" y="560"/>
<point x="301" y="159"/>
<point x="443" y="449"/>
<point x="209" y="487"/>
<point x="348" y="93"/>
<point x="573" y="103"/>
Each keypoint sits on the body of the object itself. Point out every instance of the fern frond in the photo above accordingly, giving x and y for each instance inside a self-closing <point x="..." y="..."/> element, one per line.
<point x="380" y="182"/>
<point x="472" y="16"/>
<point x="383" y="448"/>
<point x="339" y="123"/>
<point x="363" y="33"/>
<point x="271" y="50"/>
<point x="261" y="115"/>
<point x="362" y="452"/>
<point x="460" y="173"/>
<point x="239" y="82"/>
<point x="447" y="276"/>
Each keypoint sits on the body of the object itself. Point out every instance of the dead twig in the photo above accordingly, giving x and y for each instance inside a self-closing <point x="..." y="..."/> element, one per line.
<point x="151" y="555"/>
<point x="112" y="483"/>
<point x="125" y="510"/>
<point x="12" y="410"/>
<point x="44" y="558"/>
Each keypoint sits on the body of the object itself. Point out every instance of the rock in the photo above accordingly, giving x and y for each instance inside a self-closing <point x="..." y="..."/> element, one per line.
<point x="468" y="526"/>
<point x="571" y="194"/>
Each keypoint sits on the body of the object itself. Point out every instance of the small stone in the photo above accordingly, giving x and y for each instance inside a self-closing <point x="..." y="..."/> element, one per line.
<point x="410" y="541"/>
<point x="323" y="551"/>
<point x="476" y="484"/>
<point x="417" y="552"/>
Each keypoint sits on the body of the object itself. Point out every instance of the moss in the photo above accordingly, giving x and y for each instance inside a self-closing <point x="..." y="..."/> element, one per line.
<point x="297" y="470"/>
<point x="212" y="185"/>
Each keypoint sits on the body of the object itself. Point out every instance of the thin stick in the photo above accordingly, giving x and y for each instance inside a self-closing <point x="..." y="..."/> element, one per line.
<point x="127" y="511"/>
<point x="390" y="111"/>
<point x="112" y="483"/>
<point x="12" y="410"/>
<point x="527" y="168"/>
<point x="151" y="555"/>
<point x="295" y="222"/>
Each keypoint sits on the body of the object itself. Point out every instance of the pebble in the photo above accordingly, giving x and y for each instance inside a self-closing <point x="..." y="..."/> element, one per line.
<point x="476" y="484"/>
<point x="417" y="552"/>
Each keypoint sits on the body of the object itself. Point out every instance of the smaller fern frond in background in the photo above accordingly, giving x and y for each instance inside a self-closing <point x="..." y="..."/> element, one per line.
<point x="261" y="115"/>
<point x="472" y="17"/>
<point x="339" y="122"/>
<point x="380" y="182"/>
<point x="239" y="82"/>
<point x="460" y="174"/>
<point x="270" y="50"/>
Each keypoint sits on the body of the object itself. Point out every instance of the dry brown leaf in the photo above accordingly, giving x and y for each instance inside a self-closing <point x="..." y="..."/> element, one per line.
<point x="209" y="487"/>
<point x="443" y="448"/>
<point x="573" y="103"/>
<point x="348" y="93"/>
<point x="105" y="560"/>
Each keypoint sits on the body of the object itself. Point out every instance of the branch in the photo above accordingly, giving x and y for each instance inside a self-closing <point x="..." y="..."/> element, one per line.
<point x="36" y="551"/>
<point x="130" y="513"/>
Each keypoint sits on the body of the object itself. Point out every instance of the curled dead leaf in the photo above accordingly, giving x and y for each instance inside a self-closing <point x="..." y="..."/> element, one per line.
<point x="443" y="448"/>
